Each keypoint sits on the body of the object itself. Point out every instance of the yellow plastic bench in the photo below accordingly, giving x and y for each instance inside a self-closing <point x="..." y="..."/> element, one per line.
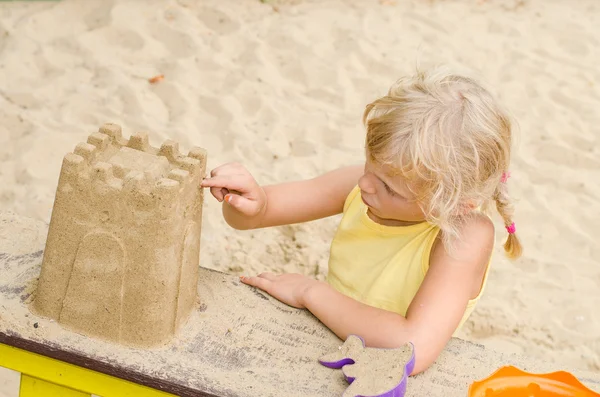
<point x="47" y="377"/>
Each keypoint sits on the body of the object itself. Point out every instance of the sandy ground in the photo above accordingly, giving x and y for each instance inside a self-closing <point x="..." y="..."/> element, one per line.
<point x="280" y="87"/>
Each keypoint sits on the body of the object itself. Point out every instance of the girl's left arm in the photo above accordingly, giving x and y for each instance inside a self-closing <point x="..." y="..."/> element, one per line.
<point x="433" y="315"/>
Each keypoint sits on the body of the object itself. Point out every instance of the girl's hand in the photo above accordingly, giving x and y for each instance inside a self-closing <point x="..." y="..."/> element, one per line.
<point x="233" y="184"/>
<point x="287" y="288"/>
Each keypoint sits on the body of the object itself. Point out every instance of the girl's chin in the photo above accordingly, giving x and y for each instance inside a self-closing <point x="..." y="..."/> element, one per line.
<point x="374" y="215"/>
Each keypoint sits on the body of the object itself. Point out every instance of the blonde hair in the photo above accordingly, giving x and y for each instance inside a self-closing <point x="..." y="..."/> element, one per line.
<point x="448" y="136"/>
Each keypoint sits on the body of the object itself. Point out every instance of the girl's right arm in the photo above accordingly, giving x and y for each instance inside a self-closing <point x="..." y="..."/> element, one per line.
<point x="249" y="206"/>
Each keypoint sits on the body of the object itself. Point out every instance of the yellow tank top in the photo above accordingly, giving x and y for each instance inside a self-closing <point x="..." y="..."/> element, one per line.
<point x="382" y="266"/>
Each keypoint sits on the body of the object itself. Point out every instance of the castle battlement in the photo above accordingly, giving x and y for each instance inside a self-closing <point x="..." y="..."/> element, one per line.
<point x="121" y="259"/>
<point x="133" y="164"/>
<point x="131" y="170"/>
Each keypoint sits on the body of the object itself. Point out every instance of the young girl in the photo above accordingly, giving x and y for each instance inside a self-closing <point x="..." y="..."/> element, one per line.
<point x="410" y="258"/>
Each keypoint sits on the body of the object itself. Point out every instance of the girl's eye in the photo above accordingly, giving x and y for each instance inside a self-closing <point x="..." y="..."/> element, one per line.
<point x="389" y="190"/>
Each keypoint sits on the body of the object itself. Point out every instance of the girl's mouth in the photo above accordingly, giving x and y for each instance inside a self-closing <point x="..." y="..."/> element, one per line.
<point x="365" y="201"/>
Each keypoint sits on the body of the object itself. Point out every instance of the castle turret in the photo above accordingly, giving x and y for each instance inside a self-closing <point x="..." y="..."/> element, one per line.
<point x="121" y="258"/>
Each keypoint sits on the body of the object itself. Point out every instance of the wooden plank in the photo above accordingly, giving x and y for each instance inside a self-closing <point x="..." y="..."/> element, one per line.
<point x="238" y="341"/>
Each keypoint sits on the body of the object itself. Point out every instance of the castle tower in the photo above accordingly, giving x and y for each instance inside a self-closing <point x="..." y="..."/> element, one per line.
<point x="121" y="258"/>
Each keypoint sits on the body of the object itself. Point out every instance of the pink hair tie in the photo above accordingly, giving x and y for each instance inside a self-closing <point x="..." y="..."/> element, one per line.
<point x="505" y="176"/>
<point x="511" y="229"/>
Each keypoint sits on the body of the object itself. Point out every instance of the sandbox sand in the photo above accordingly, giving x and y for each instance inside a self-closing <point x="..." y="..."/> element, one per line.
<point x="281" y="86"/>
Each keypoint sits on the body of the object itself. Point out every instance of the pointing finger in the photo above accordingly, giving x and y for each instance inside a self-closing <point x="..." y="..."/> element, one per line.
<point x="231" y="182"/>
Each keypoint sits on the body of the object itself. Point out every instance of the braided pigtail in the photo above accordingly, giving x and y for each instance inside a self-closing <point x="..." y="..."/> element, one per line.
<point x="505" y="208"/>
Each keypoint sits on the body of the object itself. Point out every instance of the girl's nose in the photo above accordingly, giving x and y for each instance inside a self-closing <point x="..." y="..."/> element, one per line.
<point x="365" y="183"/>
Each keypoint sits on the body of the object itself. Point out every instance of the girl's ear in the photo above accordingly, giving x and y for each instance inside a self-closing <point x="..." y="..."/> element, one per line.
<point x="467" y="207"/>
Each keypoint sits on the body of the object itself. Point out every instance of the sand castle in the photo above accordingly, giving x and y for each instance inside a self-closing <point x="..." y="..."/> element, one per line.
<point x="121" y="258"/>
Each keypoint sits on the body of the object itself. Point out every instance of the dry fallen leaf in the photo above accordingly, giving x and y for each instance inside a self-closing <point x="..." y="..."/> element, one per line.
<point x="156" y="79"/>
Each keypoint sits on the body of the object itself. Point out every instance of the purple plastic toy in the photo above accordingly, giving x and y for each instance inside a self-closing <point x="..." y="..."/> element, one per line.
<point x="372" y="372"/>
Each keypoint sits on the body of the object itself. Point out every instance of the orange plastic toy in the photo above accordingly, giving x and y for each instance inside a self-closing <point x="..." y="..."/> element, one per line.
<point x="512" y="382"/>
